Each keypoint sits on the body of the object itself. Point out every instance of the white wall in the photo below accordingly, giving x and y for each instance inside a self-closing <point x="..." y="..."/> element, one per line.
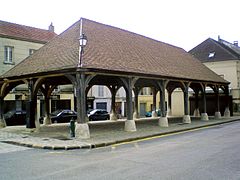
<point x="20" y="51"/>
<point x="177" y="103"/>
<point x="229" y="69"/>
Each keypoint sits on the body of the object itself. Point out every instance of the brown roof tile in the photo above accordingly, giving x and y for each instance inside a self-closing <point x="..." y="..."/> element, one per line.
<point x="26" y="33"/>
<point x="114" y="49"/>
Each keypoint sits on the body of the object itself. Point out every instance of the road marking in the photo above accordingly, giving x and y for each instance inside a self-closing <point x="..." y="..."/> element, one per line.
<point x="55" y="152"/>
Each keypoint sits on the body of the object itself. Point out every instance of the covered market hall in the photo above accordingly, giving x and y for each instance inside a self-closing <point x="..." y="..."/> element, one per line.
<point x="89" y="53"/>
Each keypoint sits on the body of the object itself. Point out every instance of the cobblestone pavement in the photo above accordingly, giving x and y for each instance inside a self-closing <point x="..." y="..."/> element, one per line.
<point x="57" y="136"/>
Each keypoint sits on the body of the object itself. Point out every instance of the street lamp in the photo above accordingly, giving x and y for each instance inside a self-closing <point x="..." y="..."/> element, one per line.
<point x="82" y="44"/>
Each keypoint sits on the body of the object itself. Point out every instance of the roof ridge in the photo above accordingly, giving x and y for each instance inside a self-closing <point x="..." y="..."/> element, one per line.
<point x="25" y="33"/>
<point x="223" y="46"/>
<point x="26" y="26"/>
<point x="131" y="32"/>
<point x="199" y="45"/>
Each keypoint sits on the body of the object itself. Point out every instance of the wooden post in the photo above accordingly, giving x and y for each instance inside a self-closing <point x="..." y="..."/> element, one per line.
<point x="186" y="117"/>
<point x="129" y="99"/>
<point x="204" y="115"/>
<point x="2" y="121"/>
<point x="163" y="121"/>
<point x="136" y="113"/>
<point x="154" y="113"/>
<point x="30" y="119"/>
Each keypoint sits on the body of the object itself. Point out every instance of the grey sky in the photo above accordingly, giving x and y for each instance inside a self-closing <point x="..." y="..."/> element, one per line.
<point x="184" y="23"/>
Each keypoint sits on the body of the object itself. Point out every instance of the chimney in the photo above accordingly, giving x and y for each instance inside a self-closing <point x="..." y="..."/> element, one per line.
<point x="235" y="43"/>
<point x="51" y="27"/>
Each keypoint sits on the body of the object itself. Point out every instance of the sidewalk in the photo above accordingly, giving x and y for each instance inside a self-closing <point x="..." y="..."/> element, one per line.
<point x="104" y="133"/>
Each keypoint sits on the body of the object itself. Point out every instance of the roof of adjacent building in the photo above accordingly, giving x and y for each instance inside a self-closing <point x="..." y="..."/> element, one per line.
<point x="111" y="49"/>
<point x="25" y="33"/>
<point x="211" y="50"/>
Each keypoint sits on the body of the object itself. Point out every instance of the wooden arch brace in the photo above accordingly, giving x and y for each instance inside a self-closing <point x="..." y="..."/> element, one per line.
<point x="128" y="84"/>
<point x="80" y="82"/>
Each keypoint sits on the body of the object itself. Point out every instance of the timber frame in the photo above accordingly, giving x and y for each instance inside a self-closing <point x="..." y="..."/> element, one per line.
<point x="115" y="58"/>
<point x="83" y="79"/>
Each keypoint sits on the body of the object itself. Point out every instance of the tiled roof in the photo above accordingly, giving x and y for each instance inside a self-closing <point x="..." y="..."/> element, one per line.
<point x="222" y="51"/>
<point x="21" y="32"/>
<point x="113" y="49"/>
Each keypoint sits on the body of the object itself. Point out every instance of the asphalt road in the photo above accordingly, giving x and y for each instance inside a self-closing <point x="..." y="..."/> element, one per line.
<point x="211" y="153"/>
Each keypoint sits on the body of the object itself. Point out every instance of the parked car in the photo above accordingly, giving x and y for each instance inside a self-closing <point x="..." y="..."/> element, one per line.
<point x="61" y="116"/>
<point x="14" y="117"/>
<point x="98" y="114"/>
<point x="149" y="113"/>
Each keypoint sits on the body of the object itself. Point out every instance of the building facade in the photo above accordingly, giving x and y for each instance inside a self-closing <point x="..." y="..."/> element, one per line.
<point x="102" y="100"/>
<point x="17" y="42"/>
<point x="223" y="58"/>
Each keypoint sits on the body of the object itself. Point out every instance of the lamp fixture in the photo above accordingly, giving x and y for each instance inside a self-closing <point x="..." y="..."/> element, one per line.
<point x="83" y="40"/>
<point x="82" y="44"/>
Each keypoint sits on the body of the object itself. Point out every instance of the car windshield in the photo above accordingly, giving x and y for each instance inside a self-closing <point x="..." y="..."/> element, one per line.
<point x="9" y="113"/>
<point x="68" y="112"/>
<point x="93" y="111"/>
<point x="98" y="111"/>
<point x="55" y="113"/>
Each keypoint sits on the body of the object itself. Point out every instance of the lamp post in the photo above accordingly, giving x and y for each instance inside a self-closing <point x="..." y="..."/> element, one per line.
<point x="82" y="44"/>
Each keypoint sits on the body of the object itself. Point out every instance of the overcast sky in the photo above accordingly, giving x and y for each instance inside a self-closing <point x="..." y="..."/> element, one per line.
<point x="184" y="23"/>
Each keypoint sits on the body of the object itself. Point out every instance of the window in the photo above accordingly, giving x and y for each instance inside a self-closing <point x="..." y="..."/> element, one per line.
<point x="101" y="105"/>
<point x="149" y="91"/>
<point x="100" y="91"/>
<point x="222" y="76"/>
<point x="211" y="55"/>
<point x="31" y="51"/>
<point x="143" y="91"/>
<point x="8" y="54"/>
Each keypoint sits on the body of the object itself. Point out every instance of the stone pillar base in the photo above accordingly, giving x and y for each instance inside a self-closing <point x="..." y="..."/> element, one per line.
<point x="47" y="121"/>
<point x="217" y="115"/>
<point x="130" y="126"/>
<point x="37" y="123"/>
<point x="135" y="115"/>
<point x="196" y="113"/>
<point x="82" y="131"/>
<point x="163" y="122"/>
<point x="204" y="117"/>
<point x="2" y="123"/>
<point x="154" y="114"/>
<point x="187" y="119"/>
<point x="227" y="113"/>
<point x="113" y="116"/>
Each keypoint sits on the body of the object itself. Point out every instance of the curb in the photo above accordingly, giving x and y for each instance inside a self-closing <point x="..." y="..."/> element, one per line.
<point x="104" y="144"/>
<point x="160" y="134"/>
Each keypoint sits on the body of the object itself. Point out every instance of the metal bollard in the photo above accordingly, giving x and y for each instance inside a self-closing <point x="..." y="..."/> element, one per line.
<point x="72" y="128"/>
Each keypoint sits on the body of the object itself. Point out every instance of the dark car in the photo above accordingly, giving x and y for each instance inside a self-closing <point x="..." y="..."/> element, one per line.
<point x="15" y="117"/>
<point x="61" y="116"/>
<point x="98" y="114"/>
